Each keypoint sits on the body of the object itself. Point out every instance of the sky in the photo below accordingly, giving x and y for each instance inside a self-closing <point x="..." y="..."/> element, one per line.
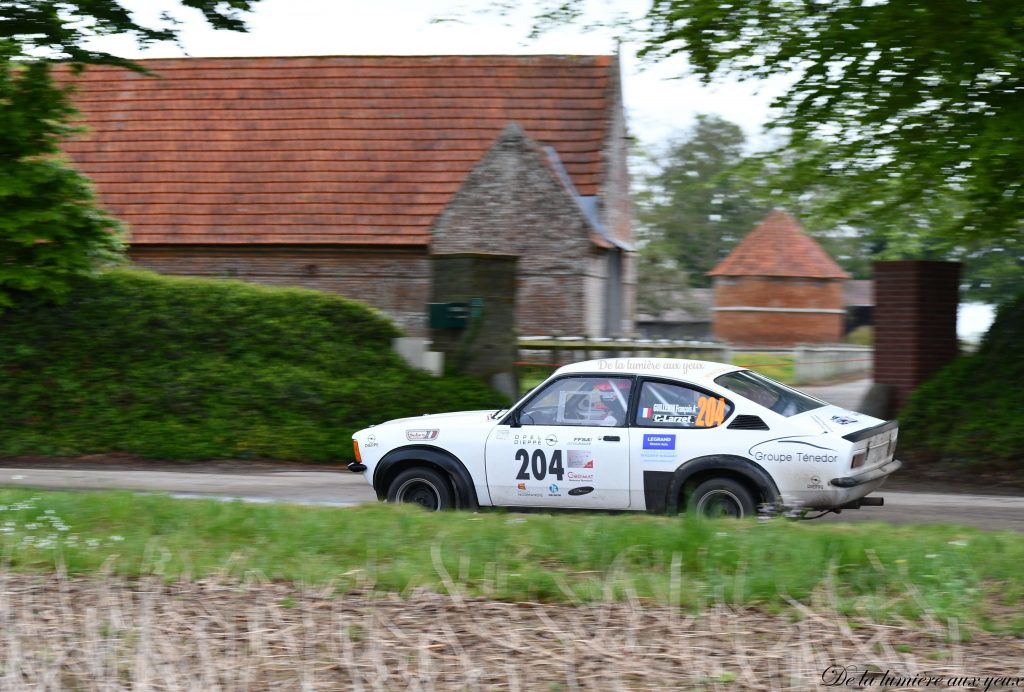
<point x="661" y="101"/>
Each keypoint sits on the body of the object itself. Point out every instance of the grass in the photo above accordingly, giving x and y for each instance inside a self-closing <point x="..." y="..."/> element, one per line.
<point x="778" y="366"/>
<point x="906" y="571"/>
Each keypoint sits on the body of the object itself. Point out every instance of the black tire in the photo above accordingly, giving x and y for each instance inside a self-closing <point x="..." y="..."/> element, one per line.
<point x="721" y="497"/>
<point x="424" y="487"/>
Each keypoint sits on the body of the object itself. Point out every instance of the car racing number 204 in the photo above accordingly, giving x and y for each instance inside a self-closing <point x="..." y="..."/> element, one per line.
<point x="540" y="464"/>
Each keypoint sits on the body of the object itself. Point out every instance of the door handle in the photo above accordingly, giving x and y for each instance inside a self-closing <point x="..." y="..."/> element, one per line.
<point x="610" y="438"/>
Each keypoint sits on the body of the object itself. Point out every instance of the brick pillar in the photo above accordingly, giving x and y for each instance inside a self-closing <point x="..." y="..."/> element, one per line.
<point x="915" y="322"/>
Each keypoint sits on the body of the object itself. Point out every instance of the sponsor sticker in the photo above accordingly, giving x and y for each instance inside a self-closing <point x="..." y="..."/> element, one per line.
<point x="658" y="448"/>
<point x="371" y="441"/>
<point x="580" y="459"/>
<point x="783" y="451"/>
<point x="843" y="420"/>
<point x="553" y="490"/>
<point x="586" y="476"/>
<point x="551" y="440"/>
<point x="582" y="490"/>
<point x="580" y="442"/>
<point x="502" y="434"/>
<point x="659" y="441"/>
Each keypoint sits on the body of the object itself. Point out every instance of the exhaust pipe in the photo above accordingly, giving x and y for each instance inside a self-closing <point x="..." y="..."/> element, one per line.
<point x="863" y="502"/>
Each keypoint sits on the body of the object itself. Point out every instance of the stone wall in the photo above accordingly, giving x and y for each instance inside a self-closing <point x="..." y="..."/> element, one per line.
<point x="512" y="203"/>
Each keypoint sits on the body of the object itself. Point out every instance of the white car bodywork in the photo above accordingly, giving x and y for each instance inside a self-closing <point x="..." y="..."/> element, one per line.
<point x="651" y="457"/>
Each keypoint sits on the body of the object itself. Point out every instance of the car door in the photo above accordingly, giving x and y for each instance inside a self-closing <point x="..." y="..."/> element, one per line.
<point x="566" y="446"/>
<point x="675" y="422"/>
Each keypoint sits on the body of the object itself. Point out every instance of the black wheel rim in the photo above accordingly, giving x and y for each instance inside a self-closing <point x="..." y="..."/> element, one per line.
<point x="420" y="492"/>
<point x="720" y="503"/>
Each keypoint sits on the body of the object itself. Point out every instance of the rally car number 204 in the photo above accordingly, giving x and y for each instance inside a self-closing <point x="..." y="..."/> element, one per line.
<point x="661" y="435"/>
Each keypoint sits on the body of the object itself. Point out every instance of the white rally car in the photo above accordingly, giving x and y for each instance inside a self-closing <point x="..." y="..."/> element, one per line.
<point x="660" y="435"/>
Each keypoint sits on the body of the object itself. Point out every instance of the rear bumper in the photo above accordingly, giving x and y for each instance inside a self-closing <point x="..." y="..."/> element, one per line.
<point x="874" y="474"/>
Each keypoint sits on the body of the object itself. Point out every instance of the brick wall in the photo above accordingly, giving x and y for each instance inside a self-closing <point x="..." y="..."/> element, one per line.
<point x="512" y="203"/>
<point x="775" y="326"/>
<point x="397" y="282"/>
<point x="915" y="322"/>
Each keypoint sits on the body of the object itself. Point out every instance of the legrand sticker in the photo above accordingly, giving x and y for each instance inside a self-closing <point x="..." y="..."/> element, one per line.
<point x="659" y="441"/>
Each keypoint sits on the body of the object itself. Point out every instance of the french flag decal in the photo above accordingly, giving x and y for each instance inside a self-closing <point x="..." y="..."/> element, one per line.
<point x="646" y="412"/>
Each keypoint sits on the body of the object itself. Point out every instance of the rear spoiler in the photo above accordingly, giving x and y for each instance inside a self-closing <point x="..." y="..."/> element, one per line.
<point x="871" y="432"/>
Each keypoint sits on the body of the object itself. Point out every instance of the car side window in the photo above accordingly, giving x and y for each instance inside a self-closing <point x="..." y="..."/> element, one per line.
<point x="664" y="405"/>
<point x="588" y="400"/>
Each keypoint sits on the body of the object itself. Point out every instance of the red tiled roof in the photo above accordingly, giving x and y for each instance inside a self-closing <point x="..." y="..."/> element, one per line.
<point x="778" y="246"/>
<point x="323" y="149"/>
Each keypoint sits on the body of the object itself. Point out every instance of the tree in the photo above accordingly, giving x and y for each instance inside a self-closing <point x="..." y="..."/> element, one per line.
<point x="702" y="194"/>
<point x="908" y="110"/>
<point x="689" y="210"/>
<point x="51" y="227"/>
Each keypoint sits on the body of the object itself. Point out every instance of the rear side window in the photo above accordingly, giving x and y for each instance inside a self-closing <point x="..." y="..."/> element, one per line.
<point x="768" y="393"/>
<point x="664" y="405"/>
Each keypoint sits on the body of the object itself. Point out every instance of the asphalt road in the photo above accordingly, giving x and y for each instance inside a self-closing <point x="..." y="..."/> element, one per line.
<point x="342" y="489"/>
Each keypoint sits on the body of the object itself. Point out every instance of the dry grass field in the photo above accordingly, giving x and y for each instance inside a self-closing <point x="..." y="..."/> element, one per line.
<point x="109" y="633"/>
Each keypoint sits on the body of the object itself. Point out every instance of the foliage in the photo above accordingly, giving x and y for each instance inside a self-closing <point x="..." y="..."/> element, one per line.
<point x="61" y="29"/>
<point x="908" y="112"/>
<point x="703" y="194"/>
<point x="688" y="211"/>
<point x="51" y="226"/>
<point x="970" y="412"/>
<point x="918" y="100"/>
<point x="915" y="571"/>
<point x="181" y="368"/>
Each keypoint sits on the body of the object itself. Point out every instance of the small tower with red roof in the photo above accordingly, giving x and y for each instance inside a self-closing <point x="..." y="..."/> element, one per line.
<point x="778" y="287"/>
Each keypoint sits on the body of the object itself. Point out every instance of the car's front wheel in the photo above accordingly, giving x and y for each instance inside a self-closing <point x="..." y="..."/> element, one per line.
<point x="422" y="486"/>
<point x="721" y="497"/>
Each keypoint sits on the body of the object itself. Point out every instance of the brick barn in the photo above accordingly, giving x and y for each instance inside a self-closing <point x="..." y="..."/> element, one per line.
<point x="346" y="174"/>
<point x="778" y="287"/>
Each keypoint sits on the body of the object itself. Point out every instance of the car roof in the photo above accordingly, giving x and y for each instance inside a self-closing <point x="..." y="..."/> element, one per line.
<point x="672" y="368"/>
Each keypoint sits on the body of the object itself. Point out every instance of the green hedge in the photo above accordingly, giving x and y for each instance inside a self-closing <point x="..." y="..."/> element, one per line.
<point x="181" y="368"/>
<point x="972" y="411"/>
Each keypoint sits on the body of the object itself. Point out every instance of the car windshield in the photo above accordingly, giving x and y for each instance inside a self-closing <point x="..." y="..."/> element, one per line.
<point x="768" y="393"/>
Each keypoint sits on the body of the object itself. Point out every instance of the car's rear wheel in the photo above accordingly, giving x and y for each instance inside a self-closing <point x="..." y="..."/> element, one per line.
<point x="422" y="486"/>
<point x="721" y="497"/>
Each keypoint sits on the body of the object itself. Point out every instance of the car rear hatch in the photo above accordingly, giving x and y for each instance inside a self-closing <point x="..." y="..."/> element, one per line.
<point x="874" y="451"/>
